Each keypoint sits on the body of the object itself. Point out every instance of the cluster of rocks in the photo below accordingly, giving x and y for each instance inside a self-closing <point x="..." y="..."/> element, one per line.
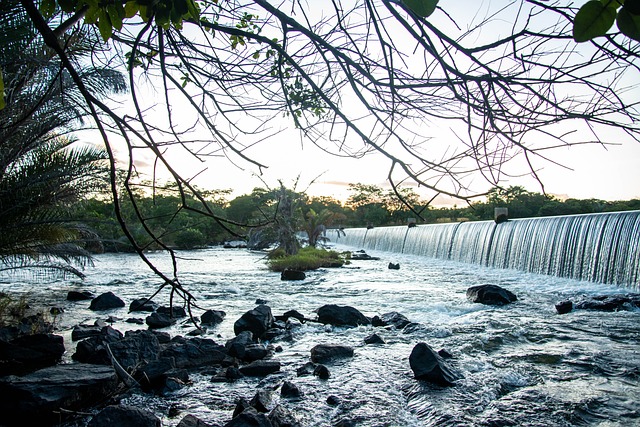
<point x="36" y="388"/>
<point x="600" y="303"/>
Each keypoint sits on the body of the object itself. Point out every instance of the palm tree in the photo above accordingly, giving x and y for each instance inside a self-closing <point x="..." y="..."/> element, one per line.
<point x="42" y="167"/>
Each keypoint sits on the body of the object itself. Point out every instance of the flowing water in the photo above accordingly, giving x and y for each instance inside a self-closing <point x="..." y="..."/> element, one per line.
<point x="523" y="364"/>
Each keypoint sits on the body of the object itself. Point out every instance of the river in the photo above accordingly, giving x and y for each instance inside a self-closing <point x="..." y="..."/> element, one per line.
<point x="523" y="364"/>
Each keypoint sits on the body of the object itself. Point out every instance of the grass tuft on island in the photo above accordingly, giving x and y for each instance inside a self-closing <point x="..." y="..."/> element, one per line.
<point x="307" y="258"/>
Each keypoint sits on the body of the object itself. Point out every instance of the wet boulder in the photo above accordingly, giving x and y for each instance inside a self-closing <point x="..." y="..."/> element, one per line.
<point x="393" y="266"/>
<point x="374" y="339"/>
<point x="212" y="317"/>
<point x="337" y="315"/>
<point x="256" y="321"/>
<point x="490" y="295"/>
<point x="124" y="416"/>
<point x="323" y="353"/>
<point x="194" y="352"/>
<point x="264" y="400"/>
<point x="290" y="391"/>
<point x="81" y="332"/>
<point x="609" y="303"/>
<point x="428" y="365"/>
<point x="36" y="398"/>
<point x="136" y="349"/>
<point x="143" y="304"/>
<point x="79" y="295"/>
<point x="27" y="353"/>
<point x="260" y="368"/>
<point x="288" y="274"/>
<point x="159" y="320"/>
<point x="393" y="318"/>
<point x="172" y="312"/>
<point x="249" y="418"/>
<point x="291" y="314"/>
<point x="192" y="421"/>
<point x="106" y="301"/>
<point x="322" y="372"/>
<point x="94" y="349"/>
<point x="564" y="307"/>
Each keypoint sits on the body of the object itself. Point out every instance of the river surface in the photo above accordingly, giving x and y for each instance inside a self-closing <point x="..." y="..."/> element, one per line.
<point x="523" y="364"/>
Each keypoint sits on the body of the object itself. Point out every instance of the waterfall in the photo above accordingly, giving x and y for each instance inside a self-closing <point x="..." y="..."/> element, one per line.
<point x="603" y="248"/>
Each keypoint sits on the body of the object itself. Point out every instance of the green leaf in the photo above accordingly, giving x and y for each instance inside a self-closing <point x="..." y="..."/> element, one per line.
<point x="130" y="9"/>
<point x="47" y="8"/>
<point x="629" y="24"/>
<point x="194" y="10"/>
<point x="592" y="20"/>
<point x="632" y="6"/>
<point x="422" y="8"/>
<point x="114" y="17"/>
<point x="105" y="27"/>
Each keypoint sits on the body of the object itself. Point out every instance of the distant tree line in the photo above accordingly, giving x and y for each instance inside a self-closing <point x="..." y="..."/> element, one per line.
<point x="258" y="215"/>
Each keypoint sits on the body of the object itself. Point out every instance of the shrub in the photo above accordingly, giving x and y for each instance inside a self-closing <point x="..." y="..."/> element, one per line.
<point x="308" y="258"/>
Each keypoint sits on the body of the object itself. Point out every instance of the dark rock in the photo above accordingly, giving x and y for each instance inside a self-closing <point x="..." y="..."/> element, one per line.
<point x="124" y="416"/>
<point x="192" y="421"/>
<point x="412" y="327"/>
<point x="135" y="320"/>
<point x="291" y="314"/>
<point x="232" y="373"/>
<point x="261" y="301"/>
<point x="136" y="348"/>
<point x="94" y="349"/>
<point x="322" y="372"/>
<point x="250" y="418"/>
<point x="173" y="312"/>
<point x="306" y="369"/>
<point x="79" y="296"/>
<point x="393" y="266"/>
<point x="322" y="353"/>
<point x="236" y="347"/>
<point x="393" y="318"/>
<point x="444" y="354"/>
<point x="106" y="301"/>
<point x="163" y="337"/>
<point x="56" y="311"/>
<point x="263" y="401"/>
<point x="255" y="352"/>
<point x="194" y="352"/>
<point x="490" y="295"/>
<point x="154" y="373"/>
<point x="30" y="352"/>
<point x="158" y="320"/>
<point x="282" y="417"/>
<point x="564" y="307"/>
<point x="256" y="321"/>
<point x="260" y="368"/>
<point x="32" y="399"/>
<point x="241" y="405"/>
<point x="290" y="391"/>
<point x="374" y="339"/>
<point x="363" y="256"/>
<point x="288" y="274"/>
<point x="143" y="304"/>
<point x="608" y="303"/>
<point x="341" y="316"/>
<point x="81" y="332"/>
<point x="333" y="400"/>
<point x="212" y="317"/>
<point x="428" y="365"/>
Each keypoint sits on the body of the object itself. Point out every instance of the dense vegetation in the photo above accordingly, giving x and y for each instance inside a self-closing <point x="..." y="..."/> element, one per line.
<point x="257" y="213"/>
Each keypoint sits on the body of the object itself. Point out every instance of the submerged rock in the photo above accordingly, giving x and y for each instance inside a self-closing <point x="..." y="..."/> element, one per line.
<point x="490" y="295"/>
<point x="192" y="421"/>
<point x="428" y="365"/>
<point x="260" y="368"/>
<point x="609" y="303"/>
<point x="79" y="295"/>
<point x="212" y="317"/>
<point x="337" y="315"/>
<point x="143" y="304"/>
<point x="393" y="318"/>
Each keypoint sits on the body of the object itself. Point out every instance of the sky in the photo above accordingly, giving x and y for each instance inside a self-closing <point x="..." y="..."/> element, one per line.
<point x="588" y="171"/>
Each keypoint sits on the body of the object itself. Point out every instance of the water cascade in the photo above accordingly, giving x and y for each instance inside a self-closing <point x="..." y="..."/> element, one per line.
<point x="603" y="248"/>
